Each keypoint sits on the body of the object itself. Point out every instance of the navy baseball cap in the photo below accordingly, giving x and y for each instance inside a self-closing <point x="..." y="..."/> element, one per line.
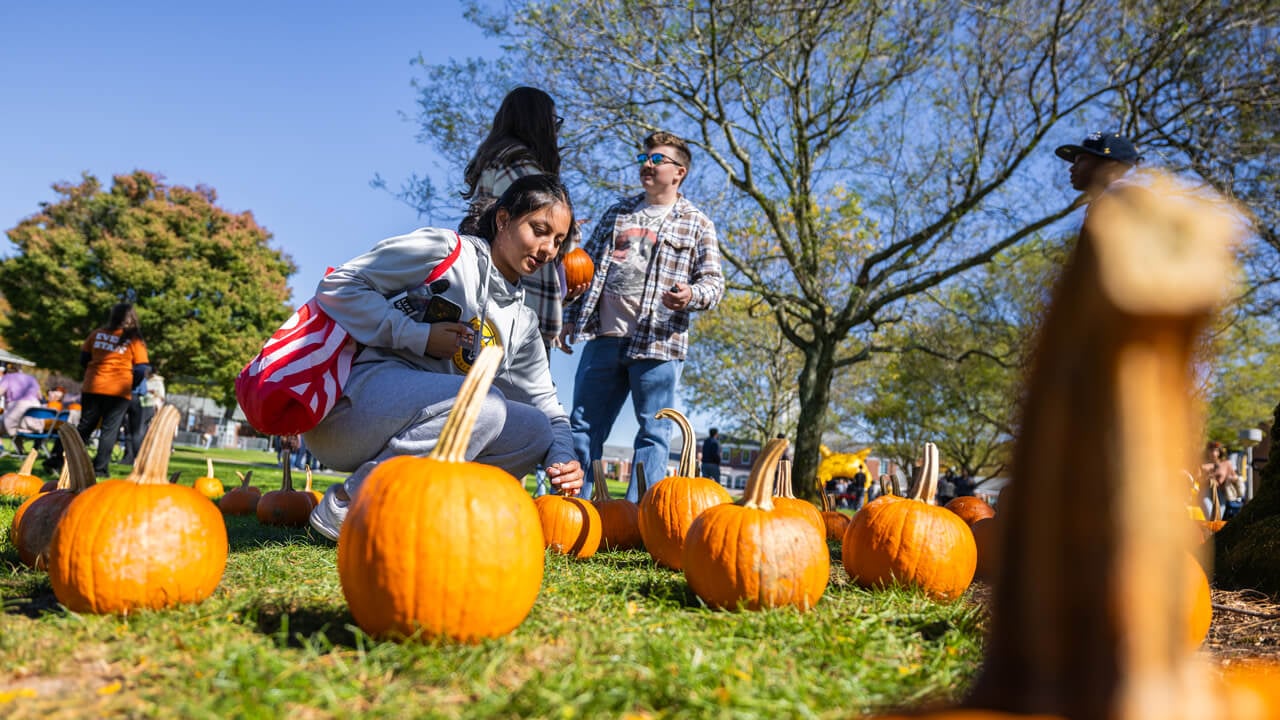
<point x="1105" y="145"/>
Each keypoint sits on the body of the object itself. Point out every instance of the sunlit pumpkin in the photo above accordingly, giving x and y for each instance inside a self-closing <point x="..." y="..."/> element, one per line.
<point x="671" y="505"/>
<point x="285" y="507"/>
<point x="755" y="554"/>
<point x="37" y="518"/>
<point x="619" y="518"/>
<point x="209" y="485"/>
<point x="439" y="547"/>
<point x="911" y="541"/>
<point x="570" y="525"/>
<point x="970" y="509"/>
<point x="833" y="521"/>
<point x="241" y="500"/>
<point x="22" y="484"/>
<point x="138" y="543"/>
<point x="578" y="268"/>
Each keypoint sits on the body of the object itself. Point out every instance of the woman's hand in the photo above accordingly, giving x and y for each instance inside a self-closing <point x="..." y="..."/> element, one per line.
<point x="447" y="337"/>
<point x="566" y="477"/>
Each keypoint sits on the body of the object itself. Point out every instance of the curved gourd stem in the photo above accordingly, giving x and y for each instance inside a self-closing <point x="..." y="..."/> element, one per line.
<point x="151" y="465"/>
<point x="456" y="435"/>
<point x="759" y="492"/>
<point x="77" y="467"/>
<point x="822" y="493"/>
<point x="600" y="488"/>
<point x="783" y="488"/>
<point x="245" y="478"/>
<point x="208" y="463"/>
<point x="173" y="477"/>
<point x="308" y="471"/>
<point x="286" y="483"/>
<point x="886" y="485"/>
<point x="28" y="463"/>
<point x="688" y="453"/>
<point x="1217" y="504"/>
<point x="925" y="487"/>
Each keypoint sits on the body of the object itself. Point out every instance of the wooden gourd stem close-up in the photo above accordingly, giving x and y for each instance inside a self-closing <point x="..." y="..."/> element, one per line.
<point x="1089" y="615"/>
<point x="924" y="487"/>
<point x="151" y="466"/>
<point x="759" y="492"/>
<point x="688" y="451"/>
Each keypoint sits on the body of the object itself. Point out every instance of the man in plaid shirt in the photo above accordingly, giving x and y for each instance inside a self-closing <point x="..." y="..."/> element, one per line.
<point x="657" y="260"/>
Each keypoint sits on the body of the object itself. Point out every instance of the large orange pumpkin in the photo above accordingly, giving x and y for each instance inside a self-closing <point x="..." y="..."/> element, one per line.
<point x="578" y="268"/>
<point x="620" y="518"/>
<point x="138" y="543"/>
<point x="440" y="546"/>
<point x="209" y="485"/>
<point x="37" y="518"/>
<point x="22" y="484"/>
<point x="570" y="525"/>
<point x="286" y="507"/>
<point x="671" y="505"/>
<point x="242" y="500"/>
<point x="911" y="541"/>
<point x="756" y="554"/>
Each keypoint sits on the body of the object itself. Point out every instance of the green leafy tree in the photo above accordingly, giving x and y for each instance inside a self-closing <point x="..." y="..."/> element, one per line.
<point x="207" y="287"/>
<point x="937" y="119"/>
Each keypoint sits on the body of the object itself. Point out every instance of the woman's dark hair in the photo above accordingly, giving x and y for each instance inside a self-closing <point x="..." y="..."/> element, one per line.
<point x="524" y="128"/>
<point x="123" y="317"/>
<point x="526" y="194"/>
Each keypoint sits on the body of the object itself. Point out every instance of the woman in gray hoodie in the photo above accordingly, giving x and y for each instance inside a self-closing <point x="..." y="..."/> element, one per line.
<point x="419" y="340"/>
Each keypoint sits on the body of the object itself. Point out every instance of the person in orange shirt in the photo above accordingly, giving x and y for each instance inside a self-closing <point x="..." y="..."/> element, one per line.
<point x="115" y="361"/>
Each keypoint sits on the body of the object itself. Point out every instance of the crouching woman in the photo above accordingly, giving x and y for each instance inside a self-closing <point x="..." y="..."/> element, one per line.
<point x="418" y="347"/>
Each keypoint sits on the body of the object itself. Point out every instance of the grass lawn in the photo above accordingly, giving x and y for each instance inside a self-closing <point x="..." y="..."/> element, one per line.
<point x="610" y="636"/>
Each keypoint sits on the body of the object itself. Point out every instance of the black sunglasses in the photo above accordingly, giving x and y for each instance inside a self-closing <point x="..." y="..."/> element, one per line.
<point x="656" y="159"/>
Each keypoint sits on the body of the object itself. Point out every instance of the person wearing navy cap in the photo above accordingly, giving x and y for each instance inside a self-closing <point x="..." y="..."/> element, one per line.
<point x="1099" y="160"/>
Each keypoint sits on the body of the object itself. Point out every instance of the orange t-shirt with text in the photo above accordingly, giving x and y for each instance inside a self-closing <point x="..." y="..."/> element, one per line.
<point x="110" y="370"/>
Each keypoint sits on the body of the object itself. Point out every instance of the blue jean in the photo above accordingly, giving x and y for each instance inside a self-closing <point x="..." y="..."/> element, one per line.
<point x="604" y="378"/>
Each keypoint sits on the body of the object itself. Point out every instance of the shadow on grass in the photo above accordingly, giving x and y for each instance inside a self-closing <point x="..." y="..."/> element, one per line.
<point x="244" y="532"/>
<point x="302" y="625"/>
<point x="33" y="601"/>
<point x="669" y="588"/>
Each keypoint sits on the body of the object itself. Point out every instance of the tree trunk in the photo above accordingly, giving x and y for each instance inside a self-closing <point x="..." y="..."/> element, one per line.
<point x="815" y="397"/>
<point x="1247" y="549"/>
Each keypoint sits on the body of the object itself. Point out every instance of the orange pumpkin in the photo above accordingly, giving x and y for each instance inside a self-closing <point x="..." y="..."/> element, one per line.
<point x="1199" y="599"/>
<point x="619" y="519"/>
<point x="286" y="507"/>
<point x="986" y="538"/>
<point x="578" y="268"/>
<point x="138" y="543"/>
<point x="37" y="518"/>
<point x="833" y="521"/>
<point x="911" y="541"/>
<point x="241" y="500"/>
<point x="785" y="497"/>
<point x="670" y="506"/>
<point x="441" y="546"/>
<point x="757" y="554"/>
<point x="570" y="525"/>
<point x="22" y="484"/>
<point x="209" y="485"/>
<point x="971" y="509"/>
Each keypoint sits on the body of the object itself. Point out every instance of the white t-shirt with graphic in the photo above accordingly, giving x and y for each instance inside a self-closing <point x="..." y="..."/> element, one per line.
<point x="633" y="245"/>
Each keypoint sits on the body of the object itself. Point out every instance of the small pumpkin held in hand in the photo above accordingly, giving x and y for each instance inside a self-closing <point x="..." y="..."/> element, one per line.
<point x="124" y="545"/>
<point x="578" y="268"/>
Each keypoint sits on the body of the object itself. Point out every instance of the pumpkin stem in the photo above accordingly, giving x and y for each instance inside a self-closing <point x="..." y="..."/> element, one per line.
<point x="599" y="488"/>
<point x="642" y="484"/>
<point x="151" y="466"/>
<point x="208" y="463"/>
<point x="822" y="493"/>
<point x="308" y="471"/>
<point x="28" y="463"/>
<point x="689" y="451"/>
<point x="783" y="488"/>
<point x="173" y="478"/>
<point x="286" y="483"/>
<point x="456" y="435"/>
<point x="759" y="492"/>
<point x="1217" y="505"/>
<point x="77" y="467"/>
<point x="924" y="487"/>
<point x="245" y="478"/>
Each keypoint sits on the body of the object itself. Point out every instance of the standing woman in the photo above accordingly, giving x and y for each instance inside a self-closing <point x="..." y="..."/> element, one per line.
<point x="406" y="379"/>
<point x="114" y="358"/>
<point x="522" y="141"/>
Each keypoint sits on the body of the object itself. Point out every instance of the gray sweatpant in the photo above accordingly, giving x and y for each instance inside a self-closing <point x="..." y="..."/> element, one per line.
<point x="388" y="409"/>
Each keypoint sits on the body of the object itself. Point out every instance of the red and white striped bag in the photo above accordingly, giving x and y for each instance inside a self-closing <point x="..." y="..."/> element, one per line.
<point x="298" y="376"/>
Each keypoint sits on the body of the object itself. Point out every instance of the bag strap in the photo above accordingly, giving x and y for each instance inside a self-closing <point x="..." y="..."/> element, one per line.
<point x="439" y="269"/>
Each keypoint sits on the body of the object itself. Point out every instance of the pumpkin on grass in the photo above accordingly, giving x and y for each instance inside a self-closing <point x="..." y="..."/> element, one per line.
<point x="911" y="541"/>
<point x="670" y="506"/>
<point x="986" y="538"/>
<point x="570" y="525"/>
<point x="286" y="507"/>
<point x="619" y="519"/>
<point x="441" y="546"/>
<point x="209" y="485"/>
<point x="22" y="484"/>
<point x="756" y="554"/>
<point x="834" y="522"/>
<point x="37" y="518"/>
<point x="971" y="509"/>
<point x="138" y="543"/>
<point x="242" y="500"/>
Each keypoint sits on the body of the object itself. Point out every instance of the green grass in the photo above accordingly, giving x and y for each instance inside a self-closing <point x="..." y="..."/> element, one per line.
<point x="610" y="636"/>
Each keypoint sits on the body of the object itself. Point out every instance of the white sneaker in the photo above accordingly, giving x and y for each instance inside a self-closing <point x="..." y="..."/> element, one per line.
<point x="328" y="515"/>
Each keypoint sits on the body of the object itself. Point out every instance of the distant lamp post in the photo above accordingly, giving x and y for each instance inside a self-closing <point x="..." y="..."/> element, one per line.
<point x="1249" y="437"/>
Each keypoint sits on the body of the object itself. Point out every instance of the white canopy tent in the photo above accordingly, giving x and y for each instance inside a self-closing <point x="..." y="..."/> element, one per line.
<point x="8" y="357"/>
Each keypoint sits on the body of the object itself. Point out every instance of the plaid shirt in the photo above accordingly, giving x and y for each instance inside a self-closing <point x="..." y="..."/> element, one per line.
<point x="687" y="252"/>
<point x="541" y="289"/>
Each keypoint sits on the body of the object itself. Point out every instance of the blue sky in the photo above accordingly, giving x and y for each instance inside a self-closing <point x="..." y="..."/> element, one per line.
<point x="286" y="109"/>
